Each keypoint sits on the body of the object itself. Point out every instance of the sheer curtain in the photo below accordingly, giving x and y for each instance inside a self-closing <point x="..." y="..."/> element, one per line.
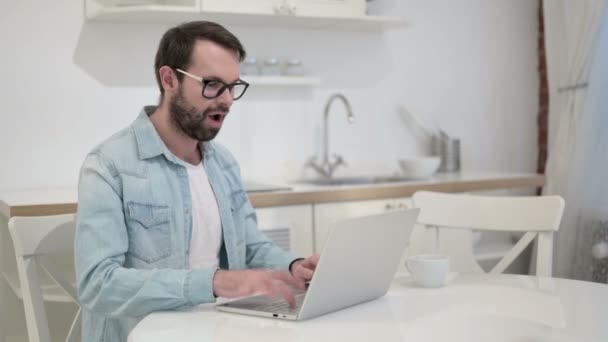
<point x="577" y="54"/>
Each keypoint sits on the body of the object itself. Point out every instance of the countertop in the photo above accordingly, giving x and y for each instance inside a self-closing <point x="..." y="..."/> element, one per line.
<point x="38" y="202"/>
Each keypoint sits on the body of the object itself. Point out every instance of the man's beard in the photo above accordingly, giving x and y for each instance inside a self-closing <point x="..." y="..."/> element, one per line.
<point x="190" y="121"/>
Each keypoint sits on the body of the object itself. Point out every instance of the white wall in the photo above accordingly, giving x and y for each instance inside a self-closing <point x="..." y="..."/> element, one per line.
<point x="470" y="65"/>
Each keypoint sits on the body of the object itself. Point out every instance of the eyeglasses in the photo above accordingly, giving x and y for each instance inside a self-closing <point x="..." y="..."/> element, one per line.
<point x="214" y="88"/>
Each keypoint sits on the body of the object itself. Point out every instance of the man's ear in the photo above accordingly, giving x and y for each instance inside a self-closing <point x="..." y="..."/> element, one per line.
<point x="168" y="79"/>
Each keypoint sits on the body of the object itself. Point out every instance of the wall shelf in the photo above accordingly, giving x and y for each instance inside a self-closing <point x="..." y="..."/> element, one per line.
<point x="282" y="80"/>
<point x="178" y="14"/>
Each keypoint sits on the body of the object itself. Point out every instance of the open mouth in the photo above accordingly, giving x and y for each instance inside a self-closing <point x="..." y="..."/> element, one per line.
<point x="216" y="118"/>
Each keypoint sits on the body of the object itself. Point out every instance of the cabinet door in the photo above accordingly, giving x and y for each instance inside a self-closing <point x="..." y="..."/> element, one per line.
<point x="327" y="8"/>
<point x="289" y="226"/>
<point x="328" y="213"/>
<point x="242" y="6"/>
<point x="309" y="8"/>
<point x="403" y="203"/>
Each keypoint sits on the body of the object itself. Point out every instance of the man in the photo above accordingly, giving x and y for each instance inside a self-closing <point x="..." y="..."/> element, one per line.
<point x="163" y="220"/>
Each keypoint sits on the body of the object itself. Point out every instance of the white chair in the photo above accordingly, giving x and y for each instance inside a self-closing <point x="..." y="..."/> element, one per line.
<point x="538" y="216"/>
<point x="35" y="239"/>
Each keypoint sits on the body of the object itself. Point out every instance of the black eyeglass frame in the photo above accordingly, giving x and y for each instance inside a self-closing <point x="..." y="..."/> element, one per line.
<point x="225" y="86"/>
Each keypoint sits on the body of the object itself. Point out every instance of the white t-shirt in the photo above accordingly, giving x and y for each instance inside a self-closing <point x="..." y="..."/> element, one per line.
<point x="206" y="239"/>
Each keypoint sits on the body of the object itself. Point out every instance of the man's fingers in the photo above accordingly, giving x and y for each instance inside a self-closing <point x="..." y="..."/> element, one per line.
<point x="276" y="289"/>
<point x="311" y="262"/>
<point x="304" y="273"/>
<point x="269" y="289"/>
<point x="231" y="284"/>
<point x="305" y="269"/>
<point x="286" y="277"/>
<point x="285" y="292"/>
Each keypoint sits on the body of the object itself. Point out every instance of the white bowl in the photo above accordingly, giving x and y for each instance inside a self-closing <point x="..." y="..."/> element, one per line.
<point x="419" y="167"/>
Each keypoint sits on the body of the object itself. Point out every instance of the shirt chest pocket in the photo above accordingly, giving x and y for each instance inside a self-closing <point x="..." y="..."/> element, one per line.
<point x="149" y="229"/>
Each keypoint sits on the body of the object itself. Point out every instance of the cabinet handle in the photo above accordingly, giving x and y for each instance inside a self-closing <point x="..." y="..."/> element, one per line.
<point x="402" y="206"/>
<point x="292" y="9"/>
<point x="280" y="7"/>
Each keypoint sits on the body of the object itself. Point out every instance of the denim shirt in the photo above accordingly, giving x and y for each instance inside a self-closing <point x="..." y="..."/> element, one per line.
<point x="134" y="225"/>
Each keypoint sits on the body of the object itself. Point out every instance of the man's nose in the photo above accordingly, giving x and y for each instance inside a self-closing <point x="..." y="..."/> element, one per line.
<point x="226" y="98"/>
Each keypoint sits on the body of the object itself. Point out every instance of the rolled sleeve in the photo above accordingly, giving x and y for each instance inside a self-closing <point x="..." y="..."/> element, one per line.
<point x="198" y="287"/>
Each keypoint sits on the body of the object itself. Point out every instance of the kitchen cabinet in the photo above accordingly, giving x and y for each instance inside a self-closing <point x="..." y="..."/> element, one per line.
<point x="291" y="227"/>
<point x="327" y="8"/>
<point x="311" y="14"/>
<point x="310" y="8"/>
<point x="244" y="6"/>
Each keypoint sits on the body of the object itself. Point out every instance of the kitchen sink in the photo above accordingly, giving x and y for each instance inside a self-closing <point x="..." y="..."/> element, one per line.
<point x="352" y="180"/>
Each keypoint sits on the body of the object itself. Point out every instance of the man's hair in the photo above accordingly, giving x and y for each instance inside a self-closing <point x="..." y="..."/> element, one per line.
<point x="175" y="48"/>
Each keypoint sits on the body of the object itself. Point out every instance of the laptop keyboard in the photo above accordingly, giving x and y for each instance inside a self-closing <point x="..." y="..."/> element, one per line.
<point x="280" y="305"/>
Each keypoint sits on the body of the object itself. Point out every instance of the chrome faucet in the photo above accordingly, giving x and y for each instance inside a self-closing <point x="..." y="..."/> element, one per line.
<point x="327" y="168"/>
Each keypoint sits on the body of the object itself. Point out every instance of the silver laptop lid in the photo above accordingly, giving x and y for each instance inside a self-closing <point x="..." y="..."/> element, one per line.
<point x="358" y="261"/>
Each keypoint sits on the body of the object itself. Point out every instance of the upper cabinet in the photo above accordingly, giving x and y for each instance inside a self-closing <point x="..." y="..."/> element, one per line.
<point x="315" y="14"/>
<point x="329" y="8"/>
<point x="242" y="6"/>
<point x="310" y="8"/>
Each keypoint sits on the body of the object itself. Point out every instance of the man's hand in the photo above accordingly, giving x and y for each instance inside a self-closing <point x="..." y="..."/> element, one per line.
<point x="304" y="269"/>
<point x="232" y="284"/>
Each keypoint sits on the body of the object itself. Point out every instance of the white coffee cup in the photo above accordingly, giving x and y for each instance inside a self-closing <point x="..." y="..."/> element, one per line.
<point x="429" y="270"/>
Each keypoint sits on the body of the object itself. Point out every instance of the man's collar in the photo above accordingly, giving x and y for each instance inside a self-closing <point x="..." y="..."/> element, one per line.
<point x="149" y="143"/>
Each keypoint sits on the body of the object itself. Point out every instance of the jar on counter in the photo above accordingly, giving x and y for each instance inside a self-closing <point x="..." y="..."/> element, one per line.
<point x="271" y="67"/>
<point x="250" y="66"/>
<point x="294" y="67"/>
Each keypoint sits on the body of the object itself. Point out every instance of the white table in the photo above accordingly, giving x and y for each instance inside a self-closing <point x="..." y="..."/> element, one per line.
<point x="471" y="308"/>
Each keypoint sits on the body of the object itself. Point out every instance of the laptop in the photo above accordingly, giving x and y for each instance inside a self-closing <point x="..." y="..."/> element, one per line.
<point x="358" y="262"/>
